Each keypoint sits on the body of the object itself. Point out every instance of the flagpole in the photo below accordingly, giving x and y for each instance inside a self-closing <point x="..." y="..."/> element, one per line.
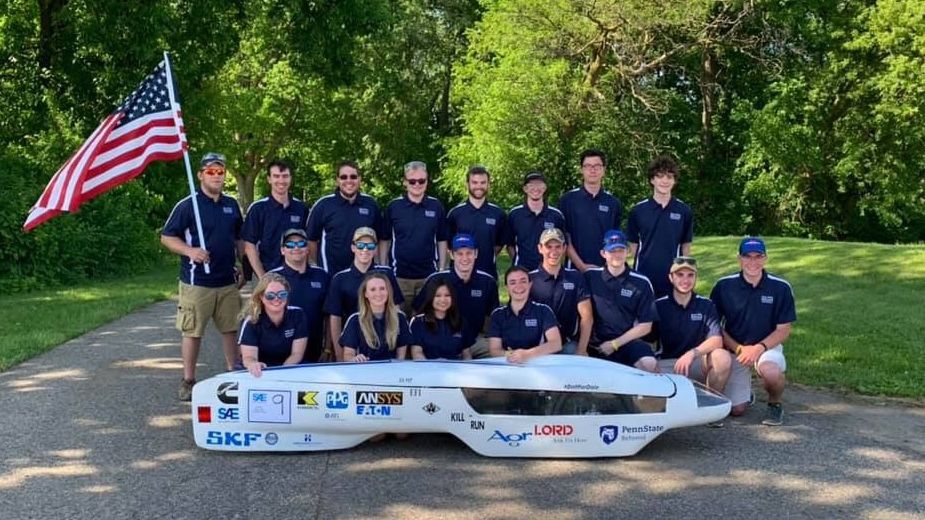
<point x="189" y="168"/>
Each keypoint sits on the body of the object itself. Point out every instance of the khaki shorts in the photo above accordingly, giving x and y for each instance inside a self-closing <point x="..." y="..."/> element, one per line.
<point x="198" y="304"/>
<point x="409" y="289"/>
<point x="479" y="349"/>
<point x="739" y="386"/>
<point x="697" y="370"/>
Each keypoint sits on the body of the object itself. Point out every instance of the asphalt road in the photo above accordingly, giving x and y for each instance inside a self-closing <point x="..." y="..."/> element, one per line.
<point x="93" y="430"/>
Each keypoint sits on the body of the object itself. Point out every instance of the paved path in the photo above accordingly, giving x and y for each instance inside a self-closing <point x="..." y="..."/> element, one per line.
<point x="94" y="430"/>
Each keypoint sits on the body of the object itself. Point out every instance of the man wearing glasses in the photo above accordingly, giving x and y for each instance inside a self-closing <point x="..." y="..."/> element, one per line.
<point x="268" y="217"/>
<point x="589" y="211"/>
<point x="308" y="286"/>
<point x="757" y="309"/>
<point x="414" y="234"/>
<point x="481" y="219"/>
<point x="334" y="218"/>
<point x="213" y="294"/>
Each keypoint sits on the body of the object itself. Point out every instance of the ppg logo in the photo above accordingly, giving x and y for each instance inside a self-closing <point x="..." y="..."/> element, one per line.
<point x="609" y="433"/>
<point x="231" y="438"/>
<point x="337" y="400"/>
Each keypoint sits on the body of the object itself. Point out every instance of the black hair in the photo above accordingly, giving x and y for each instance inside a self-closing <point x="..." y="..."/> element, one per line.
<point x="477" y="169"/>
<point x="592" y="152"/>
<point x="514" y="269"/>
<point x="663" y="164"/>
<point x="452" y="314"/>
<point x="346" y="162"/>
<point x="278" y="163"/>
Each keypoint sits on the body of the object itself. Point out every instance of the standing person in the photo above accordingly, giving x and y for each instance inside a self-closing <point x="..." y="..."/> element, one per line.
<point x="206" y="295"/>
<point x="527" y="221"/>
<point x="308" y="288"/>
<point x="758" y="311"/>
<point x="661" y="227"/>
<point x="476" y="291"/>
<point x="483" y="220"/>
<point x="439" y="331"/>
<point x="589" y="211"/>
<point x="335" y="217"/>
<point x="564" y="291"/>
<point x="378" y="331"/>
<point x="273" y="333"/>
<point x="341" y="300"/>
<point x="523" y="329"/>
<point x="268" y="217"/>
<point x="414" y="234"/>
<point x="623" y="308"/>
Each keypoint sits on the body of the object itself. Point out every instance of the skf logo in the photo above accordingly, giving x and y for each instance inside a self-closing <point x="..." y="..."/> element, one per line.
<point x="231" y="438"/>
<point x="307" y="399"/>
<point x="337" y="400"/>
<point x="609" y="433"/>
<point x="228" y="393"/>
<point x="393" y="398"/>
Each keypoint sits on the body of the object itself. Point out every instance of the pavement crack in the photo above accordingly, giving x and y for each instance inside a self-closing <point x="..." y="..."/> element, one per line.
<point x="322" y="477"/>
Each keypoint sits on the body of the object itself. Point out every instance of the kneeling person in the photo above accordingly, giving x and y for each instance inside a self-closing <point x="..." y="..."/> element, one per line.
<point x="439" y="332"/>
<point x="273" y="333"/>
<point x="522" y="329"/>
<point x="378" y="331"/>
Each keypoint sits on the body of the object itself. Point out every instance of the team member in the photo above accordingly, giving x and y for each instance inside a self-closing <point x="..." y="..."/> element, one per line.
<point x="342" y="299"/>
<point x="757" y="309"/>
<point x="273" y="333"/>
<point x="527" y="221"/>
<point x="438" y="332"/>
<point x="689" y="333"/>
<point x="335" y="217"/>
<point x="476" y="291"/>
<point x="268" y="217"/>
<point x="378" y="330"/>
<point x="660" y="228"/>
<point x="308" y="288"/>
<point x="522" y="329"/>
<point x="563" y="290"/>
<point x="623" y="311"/>
<point x="481" y="219"/>
<point x="589" y="211"/>
<point x="414" y="234"/>
<point x="206" y="295"/>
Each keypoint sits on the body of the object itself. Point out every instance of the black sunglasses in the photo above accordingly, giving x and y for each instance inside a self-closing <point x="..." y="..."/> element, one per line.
<point x="416" y="181"/>
<point x="351" y="177"/>
<point x="685" y="260"/>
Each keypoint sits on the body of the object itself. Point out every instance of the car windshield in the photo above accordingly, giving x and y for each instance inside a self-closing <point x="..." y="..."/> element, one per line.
<point x="544" y="402"/>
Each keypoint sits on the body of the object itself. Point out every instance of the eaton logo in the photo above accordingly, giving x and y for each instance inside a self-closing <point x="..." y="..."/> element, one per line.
<point x="512" y="439"/>
<point x="337" y="400"/>
<point x="609" y="433"/>
<point x="374" y="410"/>
<point x="231" y="438"/>
<point x="229" y="414"/>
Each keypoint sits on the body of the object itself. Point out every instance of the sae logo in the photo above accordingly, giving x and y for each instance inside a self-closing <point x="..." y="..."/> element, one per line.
<point x="609" y="433"/>
<point x="337" y="400"/>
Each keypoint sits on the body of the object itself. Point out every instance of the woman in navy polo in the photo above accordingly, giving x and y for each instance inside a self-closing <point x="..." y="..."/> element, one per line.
<point x="273" y="333"/>
<point x="438" y="332"/>
<point x="522" y="329"/>
<point x="379" y="330"/>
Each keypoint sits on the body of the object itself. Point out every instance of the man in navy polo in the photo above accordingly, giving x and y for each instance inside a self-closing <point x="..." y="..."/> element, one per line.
<point x="757" y="310"/>
<point x="623" y="307"/>
<point x="476" y="291"/>
<point x="661" y="227"/>
<point x="483" y="220"/>
<point x="527" y="221"/>
<point x="308" y="286"/>
<point x="213" y="294"/>
<point x="589" y="211"/>
<point x="523" y="329"/>
<point x="414" y="234"/>
<point x="268" y="217"/>
<point x="335" y="217"/>
<point x="564" y="291"/>
<point x="342" y="299"/>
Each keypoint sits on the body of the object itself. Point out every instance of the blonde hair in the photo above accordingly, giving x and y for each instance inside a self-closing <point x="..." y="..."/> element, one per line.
<point x="366" y="314"/>
<point x="255" y="306"/>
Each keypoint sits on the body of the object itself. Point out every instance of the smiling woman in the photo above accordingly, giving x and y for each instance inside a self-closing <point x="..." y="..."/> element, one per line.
<point x="273" y="333"/>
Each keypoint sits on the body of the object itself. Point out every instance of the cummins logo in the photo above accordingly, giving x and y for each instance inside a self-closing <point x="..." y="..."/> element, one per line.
<point x="392" y="398"/>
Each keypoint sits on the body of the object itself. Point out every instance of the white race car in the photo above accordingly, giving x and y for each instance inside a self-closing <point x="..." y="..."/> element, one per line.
<point x="554" y="406"/>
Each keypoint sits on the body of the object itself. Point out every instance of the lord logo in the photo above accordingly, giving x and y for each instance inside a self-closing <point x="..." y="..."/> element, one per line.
<point x="337" y="400"/>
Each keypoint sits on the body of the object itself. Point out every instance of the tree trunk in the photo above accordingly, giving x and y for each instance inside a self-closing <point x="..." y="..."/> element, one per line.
<point x="708" y="96"/>
<point x="48" y="14"/>
<point x="246" y="183"/>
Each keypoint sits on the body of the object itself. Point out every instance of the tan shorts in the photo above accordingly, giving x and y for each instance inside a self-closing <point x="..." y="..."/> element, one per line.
<point x="409" y="289"/>
<point x="198" y="304"/>
<point x="739" y="386"/>
<point x="697" y="371"/>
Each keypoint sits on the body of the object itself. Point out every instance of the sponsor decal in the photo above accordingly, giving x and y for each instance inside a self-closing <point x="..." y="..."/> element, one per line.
<point x="512" y="439"/>
<point x="553" y="430"/>
<point x="476" y="425"/>
<point x="364" y="211"/>
<point x="430" y="213"/>
<point x="609" y="433"/>
<point x="333" y="415"/>
<point x="639" y="433"/>
<point x="294" y="219"/>
<point x="568" y="286"/>
<point x="431" y="408"/>
<point x="376" y="410"/>
<point x="271" y="438"/>
<point x="476" y="293"/>
<point x="457" y="417"/>
<point x="390" y="398"/>
<point x="204" y="414"/>
<point x="581" y="386"/>
<point x="628" y="293"/>
<point x="531" y="322"/>
<point x="603" y="208"/>
<point x="229" y="415"/>
<point x="231" y="438"/>
<point x="289" y="333"/>
<point x="306" y="399"/>
<point x="228" y="211"/>
<point x="337" y="400"/>
<point x="490" y="221"/>
<point x="269" y="406"/>
<point x="414" y="392"/>
<point x="674" y="216"/>
<point x="549" y="225"/>
<point x="767" y="299"/>
<point x="306" y="440"/>
<point x="227" y="393"/>
<point x="316" y="285"/>
<point x="697" y="316"/>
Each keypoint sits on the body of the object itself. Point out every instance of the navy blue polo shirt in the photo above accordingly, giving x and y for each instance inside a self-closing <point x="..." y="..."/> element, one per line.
<point x="524" y="228"/>
<point x="352" y="337"/>
<point x="442" y="342"/>
<point x="486" y="225"/>
<point x="333" y="220"/>
<point x="265" y="224"/>
<point x="524" y="330"/>
<point x="749" y="313"/>
<point x="476" y="298"/>
<point x="659" y="232"/>
<point x="683" y="328"/>
<point x="342" y="294"/>
<point x="619" y="302"/>
<point x="221" y="223"/>
<point x="562" y="294"/>
<point x="414" y="230"/>
<point x="308" y="291"/>
<point x="274" y="343"/>
<point x="587" y="218"/>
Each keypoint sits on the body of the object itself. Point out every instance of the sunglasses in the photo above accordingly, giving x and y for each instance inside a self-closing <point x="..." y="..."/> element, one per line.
<point x="412" y="182"/>
<point x="685" y="260"/>
<point x="351" y="177"/>
<point x="365" y="246"/>
<point x="213" y="171"/>
<point x="296" y="244"/>
<point x="271" y="296"/>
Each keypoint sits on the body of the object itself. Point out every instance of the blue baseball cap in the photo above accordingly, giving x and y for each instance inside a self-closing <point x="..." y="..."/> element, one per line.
<point x="752" y="245"/>
<point x="462" y="240"/>
<point x="614" y="239"/>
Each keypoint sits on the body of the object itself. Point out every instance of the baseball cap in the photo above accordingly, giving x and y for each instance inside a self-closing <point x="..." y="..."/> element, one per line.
<point x="292" y="231"/>
<point x="552" y="234"/>
<point x="534" y="176"/>
<point x="364" y="232"/>
<point x="614" y="239"/>
<point x="752" y="245"/>
<point x="462" y="240"/>
<point x="212" y="158"/>
<point x="683" y="262"/>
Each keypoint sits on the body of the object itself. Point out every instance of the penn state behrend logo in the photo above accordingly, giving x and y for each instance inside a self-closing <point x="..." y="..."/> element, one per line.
<point x="568" y="286"/>
<point x="767" y="299"/>
<point x="609" y="433"/>
<point x="430" y="213"/>
<point x="363" y="211"/>
<point x="697" y="316"/>
<point x="228" y="211"/>
<point x="490" y="221"/>
<point x="294" y="219"/>
<point x="674" y="216"/>
<point x="549" y="225"/>
<point x="603" y="208"/>
<point x="531" y="322"/>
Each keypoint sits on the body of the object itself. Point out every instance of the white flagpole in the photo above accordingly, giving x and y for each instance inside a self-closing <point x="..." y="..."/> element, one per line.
<point x="189" y="169"/>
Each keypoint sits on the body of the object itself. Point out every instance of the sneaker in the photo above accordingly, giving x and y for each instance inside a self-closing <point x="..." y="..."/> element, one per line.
<point x="716" y="424"/>
<point x="775" y="415"/>
<point x="751" y="398"/>
<point x="185" y="392"/>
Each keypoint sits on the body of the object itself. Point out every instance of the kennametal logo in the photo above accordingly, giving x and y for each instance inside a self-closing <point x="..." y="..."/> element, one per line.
<point x="393" y="398"/>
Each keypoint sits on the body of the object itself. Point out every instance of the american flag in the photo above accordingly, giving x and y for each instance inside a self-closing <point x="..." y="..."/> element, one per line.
<point x="146" y="127"/>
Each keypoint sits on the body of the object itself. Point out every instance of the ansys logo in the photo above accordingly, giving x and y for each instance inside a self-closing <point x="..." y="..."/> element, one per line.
<point x="392" y="398"/>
